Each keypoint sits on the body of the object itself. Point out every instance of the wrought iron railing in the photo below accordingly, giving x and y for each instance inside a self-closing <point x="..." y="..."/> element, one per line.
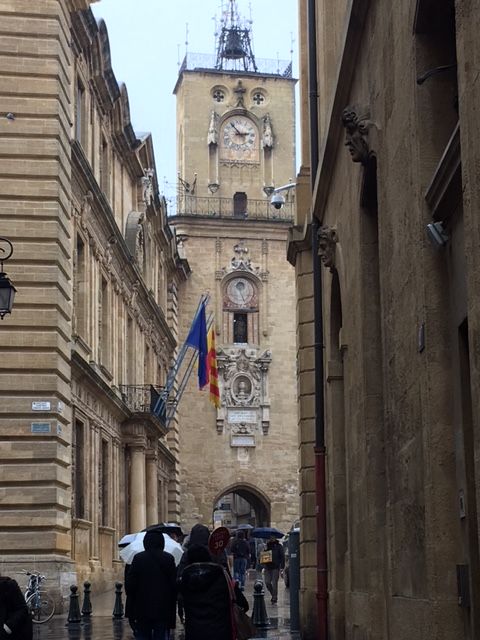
<point x="213" y="207"/>
<point x="264" y="66"/>
<point x="140" y="398"/>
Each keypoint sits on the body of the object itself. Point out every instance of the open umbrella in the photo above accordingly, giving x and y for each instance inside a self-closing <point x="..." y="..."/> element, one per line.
<point x="127" y="539"/>
<point x="265" y="533"/>
<point x="168" y="528"/>
<point x="128" y="553"/>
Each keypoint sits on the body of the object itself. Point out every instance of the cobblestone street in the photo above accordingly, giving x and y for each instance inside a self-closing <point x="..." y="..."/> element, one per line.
<point x="103" y="627"/>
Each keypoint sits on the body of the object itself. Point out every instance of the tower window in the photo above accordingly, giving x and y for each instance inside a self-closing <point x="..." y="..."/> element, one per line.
<point x="240" y="328"/>
<point x="258" y="98"/>
<point x="240" y="204"/>
<point x="218" y="95"/>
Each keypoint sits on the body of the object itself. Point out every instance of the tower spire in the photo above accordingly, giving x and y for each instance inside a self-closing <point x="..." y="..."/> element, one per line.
<point x="234" y="50"/>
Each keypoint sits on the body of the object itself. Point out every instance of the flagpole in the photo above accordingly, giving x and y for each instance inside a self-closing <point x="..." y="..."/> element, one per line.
<point x="186" y="375"/>
<point x="173" y="371"/>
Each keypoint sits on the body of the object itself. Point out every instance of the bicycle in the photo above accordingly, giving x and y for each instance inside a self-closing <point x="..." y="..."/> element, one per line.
<point x="40" y="604"/>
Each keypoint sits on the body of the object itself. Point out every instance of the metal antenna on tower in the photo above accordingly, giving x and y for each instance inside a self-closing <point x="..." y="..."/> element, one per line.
<point x="186" y="38"/>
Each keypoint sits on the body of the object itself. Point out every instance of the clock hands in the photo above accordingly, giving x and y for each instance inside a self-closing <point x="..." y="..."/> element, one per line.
<point x="240" y="133"/>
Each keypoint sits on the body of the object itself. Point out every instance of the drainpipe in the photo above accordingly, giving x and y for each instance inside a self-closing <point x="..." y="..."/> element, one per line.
<point x="320" y="451"/>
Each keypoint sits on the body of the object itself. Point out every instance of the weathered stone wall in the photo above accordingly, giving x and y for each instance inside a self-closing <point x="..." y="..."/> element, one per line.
<point x="78" y="468"/>
<point x="209" y="465"/>
<point x="400" y="359"/>
<point x="35" y="80"/>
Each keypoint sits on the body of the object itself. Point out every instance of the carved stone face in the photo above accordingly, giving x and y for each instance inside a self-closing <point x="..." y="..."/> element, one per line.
<point x="357" y="146"/>
<point x="327" y="240"/>
<point x="356" y="129"/>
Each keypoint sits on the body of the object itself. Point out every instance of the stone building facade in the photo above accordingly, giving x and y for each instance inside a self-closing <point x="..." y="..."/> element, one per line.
<point x="387" y="208"/>
<point x="235" y="144"/>
<point x="95" y="324"/>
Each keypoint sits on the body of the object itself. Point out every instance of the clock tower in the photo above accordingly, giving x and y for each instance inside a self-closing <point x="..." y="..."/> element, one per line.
<point x="235" y="145"/>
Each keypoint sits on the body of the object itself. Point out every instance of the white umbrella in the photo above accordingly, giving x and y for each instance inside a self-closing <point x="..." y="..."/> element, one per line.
<point x="127" y="539"/>
<point x="136" y="546"/>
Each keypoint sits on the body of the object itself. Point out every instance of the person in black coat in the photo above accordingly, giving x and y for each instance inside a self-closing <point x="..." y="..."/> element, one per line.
<point x="151" y="590"/>
<point x="15" y="619"/>
<point x="207" y="597"/>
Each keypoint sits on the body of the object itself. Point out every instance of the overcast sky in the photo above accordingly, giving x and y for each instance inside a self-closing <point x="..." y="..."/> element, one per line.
<point x="147" y="40"/>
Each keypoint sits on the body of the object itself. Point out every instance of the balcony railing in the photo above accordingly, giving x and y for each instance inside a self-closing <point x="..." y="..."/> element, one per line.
<point x="193" y="61"/>
<point x="212" y="207"/>
<point x="140" y="399"/>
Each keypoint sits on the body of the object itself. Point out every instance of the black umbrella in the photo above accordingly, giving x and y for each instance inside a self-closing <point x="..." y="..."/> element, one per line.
<point x="266" y="532"/>
<point x="166" y="527"/>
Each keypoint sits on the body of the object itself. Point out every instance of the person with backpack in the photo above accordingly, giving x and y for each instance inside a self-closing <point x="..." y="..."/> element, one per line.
<point x="240" y="550"/>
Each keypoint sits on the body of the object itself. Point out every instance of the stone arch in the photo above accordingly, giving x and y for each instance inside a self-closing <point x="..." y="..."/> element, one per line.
<point x="252" y="494"/>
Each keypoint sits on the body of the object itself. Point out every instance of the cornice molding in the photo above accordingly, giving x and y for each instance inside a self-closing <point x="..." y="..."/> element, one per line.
<point x="333" y="139"/>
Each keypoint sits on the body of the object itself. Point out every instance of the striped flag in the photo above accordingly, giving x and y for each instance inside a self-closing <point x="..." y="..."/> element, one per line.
<point x="212" y="369"/>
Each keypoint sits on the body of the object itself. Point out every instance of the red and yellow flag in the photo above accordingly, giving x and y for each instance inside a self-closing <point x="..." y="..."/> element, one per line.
<point x="212" y="369"/>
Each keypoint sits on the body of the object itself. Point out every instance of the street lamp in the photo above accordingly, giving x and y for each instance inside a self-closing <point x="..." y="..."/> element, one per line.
<point x="7" y="290"/>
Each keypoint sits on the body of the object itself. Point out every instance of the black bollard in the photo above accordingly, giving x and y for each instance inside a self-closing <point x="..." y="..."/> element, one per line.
<point x="87" y="603"/>
<point x="74" y="608"/>
<point x="118" y="608"/>
<point x="259" y="614"/>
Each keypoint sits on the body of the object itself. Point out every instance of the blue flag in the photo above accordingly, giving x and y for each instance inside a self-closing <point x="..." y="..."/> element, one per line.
<point x="197" y="338"/>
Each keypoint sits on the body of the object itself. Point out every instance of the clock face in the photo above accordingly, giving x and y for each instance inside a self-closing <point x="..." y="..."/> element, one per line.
<point x="240" y="292"/>
<point x="239" y="139"/>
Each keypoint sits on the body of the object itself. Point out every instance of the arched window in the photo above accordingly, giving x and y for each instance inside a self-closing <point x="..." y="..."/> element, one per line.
<point x="240" y="204"/>
<point x="240" y="310"/>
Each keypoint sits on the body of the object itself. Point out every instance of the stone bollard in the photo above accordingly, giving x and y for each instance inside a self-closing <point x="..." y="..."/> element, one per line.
<point x="87" y="603"/>
<point x="74" y="607"/>
<point x="118" y="608"/>
<point x="259" y="614"/>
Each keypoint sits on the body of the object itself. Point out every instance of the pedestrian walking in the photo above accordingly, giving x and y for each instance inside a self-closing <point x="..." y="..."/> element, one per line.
<point x="273" y="567"/>
<point x="208" y="597"/>
<point x="241" y="554"/>
<point x="15" y="619"/>
<point x="151" y="590"/>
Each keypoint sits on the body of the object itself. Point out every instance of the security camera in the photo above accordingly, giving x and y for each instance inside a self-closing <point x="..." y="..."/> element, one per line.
<point x="277" y="201"/>
<point x="437" y="235"/>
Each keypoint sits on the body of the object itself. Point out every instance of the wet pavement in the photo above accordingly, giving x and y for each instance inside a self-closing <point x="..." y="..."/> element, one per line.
<point x="101" y="626"/>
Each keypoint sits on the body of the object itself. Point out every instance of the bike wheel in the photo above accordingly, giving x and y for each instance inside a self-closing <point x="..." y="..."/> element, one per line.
<point x="41" y="607"/>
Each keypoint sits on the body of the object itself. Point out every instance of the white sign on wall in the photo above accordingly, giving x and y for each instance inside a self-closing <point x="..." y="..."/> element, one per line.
<point x="237" y="416"/>
<point x="242" y="441"/>
<point x="41" y="405"/>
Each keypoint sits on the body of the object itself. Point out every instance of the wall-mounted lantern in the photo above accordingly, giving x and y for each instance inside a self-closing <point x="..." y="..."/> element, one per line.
<point x="7" y="290"/>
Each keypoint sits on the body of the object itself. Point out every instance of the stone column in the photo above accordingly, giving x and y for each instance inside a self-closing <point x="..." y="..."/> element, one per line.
<point x="138" y="514"/>
<point x="152" y="487"/>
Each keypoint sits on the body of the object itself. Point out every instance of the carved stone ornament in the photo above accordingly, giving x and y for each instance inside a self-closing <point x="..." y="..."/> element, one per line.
<point x="327" y="242"/>
<point x="85" y="209"/>
<point x="134" y="236"/>
<point x="239" y="91"/>
<point x="212" y="136"/>
<point x="241" y="261"/>
<point x="147" y="187"/>
<point x="357" y="123"/>
<point x="267" y="134"/>
<point x="243" y="377"/>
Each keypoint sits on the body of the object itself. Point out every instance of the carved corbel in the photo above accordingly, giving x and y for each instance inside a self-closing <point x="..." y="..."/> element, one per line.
<point x="357" y="123"/>
<point x="327" y="242"/>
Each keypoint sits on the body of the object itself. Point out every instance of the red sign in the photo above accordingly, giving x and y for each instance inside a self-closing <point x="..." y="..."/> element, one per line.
<point x="218" y="540"/>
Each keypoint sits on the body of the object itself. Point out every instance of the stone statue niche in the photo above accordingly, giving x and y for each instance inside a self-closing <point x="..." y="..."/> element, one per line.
<point x="244" y="413"/>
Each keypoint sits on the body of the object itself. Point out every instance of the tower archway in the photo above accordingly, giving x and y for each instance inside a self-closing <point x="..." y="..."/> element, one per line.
<point x="239" y="504"/>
